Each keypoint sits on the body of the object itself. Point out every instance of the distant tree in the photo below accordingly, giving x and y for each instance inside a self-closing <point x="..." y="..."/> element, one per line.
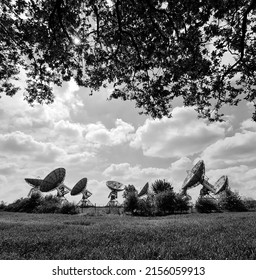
<point x="150" y="51"/>
<point x="206" y="205"/>
<point x="232" y="201"/>
<point x="182" y="204"/>
<point x="68" y="208"/>
<point x="131" y="202"/>
<point x="165" y="201"/>
<point x="38" y="204"/>
<point x="250" y="203"/>
<point x="49" y="204"/>
<point x="146" y="207"/>
<point x="2" y="205"/>
<point x="129" y="189"/>
<point x="160" y="186"/>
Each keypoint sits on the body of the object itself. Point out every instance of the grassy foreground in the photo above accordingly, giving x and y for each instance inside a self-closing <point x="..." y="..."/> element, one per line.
<point x="191" y="236"/>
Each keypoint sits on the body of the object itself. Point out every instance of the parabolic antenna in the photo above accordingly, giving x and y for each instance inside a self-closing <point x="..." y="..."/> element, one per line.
<point x="195" y="176"/>
<point x="80" y="188"/>
<point x="35" y="184"/>
<point x="115" y="186"/>
<point x="144" y="190"/>
<point x="221" y="184"/>
<point x="53" y="180"/>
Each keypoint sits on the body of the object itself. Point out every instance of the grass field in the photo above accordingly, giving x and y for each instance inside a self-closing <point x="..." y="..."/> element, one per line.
<point x="190" y="236"/>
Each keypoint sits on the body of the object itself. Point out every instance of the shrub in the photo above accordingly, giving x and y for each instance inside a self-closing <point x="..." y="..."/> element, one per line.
<point x="231" y="201"/>
<point x="182" y="204"/>
<point x="131" y="202"/>
<point x="49" y="204"/>
<point x="68" y="208"/>
<point x="165" y="202"/>
<point x="38" y="204"/>
<point x="250" y="204"/>
<point x="206" y="205"/>
<point x="129" y="189"/>
<point x="145" y="207"/>
<point x="2" y="205"/>
<point x="161" y="185"/>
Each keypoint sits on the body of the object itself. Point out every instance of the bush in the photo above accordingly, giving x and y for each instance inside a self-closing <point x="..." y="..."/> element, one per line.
<point x="129" y="189"/>
<point x="2" y="205"/>
<point x="131" y="202"/>
<point x="182" y="204"/>
<point x="145" y="207"/>
<point x="68" y="208"/>
<point x="206" y="205"/>
<point x="165" y="202"/>
<point x="231" y="201"/>
<point x="250" y="204"/>
<point x="161" y="186"/>
<point x="38" y="204"/>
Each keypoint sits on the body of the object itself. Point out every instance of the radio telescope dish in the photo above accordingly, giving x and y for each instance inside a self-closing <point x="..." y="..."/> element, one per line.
<point x="35" y="184"/>
<point x="195" y="176"/>
<point x="144" y="190"/>
<point x="80" y="188"/>
<point x="53" y="180"/>
<point x="115" y="187"/>
<point x="221" y="184"/>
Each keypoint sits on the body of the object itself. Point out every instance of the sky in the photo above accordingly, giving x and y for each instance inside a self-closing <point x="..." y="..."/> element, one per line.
<point x="109" y="140"/>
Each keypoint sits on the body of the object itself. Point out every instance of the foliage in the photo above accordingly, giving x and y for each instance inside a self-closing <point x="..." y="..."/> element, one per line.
<point x="160" y="186"/>
<point x="146" y="207"/>
<point x="150" y="51"/>
<point x="182" y="204"/>
<point x="206" y="205"/>
<point x="166" y="201"/>
<point x="129" y="189"/>
<point x="250" y="204"/>
<point x="27" y="205"/>
<point x="38" y="204"/>
<point x="231" y="201"/>
<point x="49" y="204"/>
<point x="163" y="200"/>
<point x="2" y="205"/>
<point x="131" y="202"/>
<point x="68" y="208"/>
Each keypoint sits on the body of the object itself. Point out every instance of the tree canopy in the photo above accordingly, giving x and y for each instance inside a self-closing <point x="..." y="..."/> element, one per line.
<point x="150" y="51"/>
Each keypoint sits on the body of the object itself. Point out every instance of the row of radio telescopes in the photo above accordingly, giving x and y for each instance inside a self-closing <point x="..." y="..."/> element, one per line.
<point x="55" y="181"/>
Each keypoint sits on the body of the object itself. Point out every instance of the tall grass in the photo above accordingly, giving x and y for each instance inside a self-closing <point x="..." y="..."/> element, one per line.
<point x="192" y="236"/>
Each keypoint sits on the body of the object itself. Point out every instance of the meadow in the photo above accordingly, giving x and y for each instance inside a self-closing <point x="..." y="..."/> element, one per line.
<point x="188" y="236"/>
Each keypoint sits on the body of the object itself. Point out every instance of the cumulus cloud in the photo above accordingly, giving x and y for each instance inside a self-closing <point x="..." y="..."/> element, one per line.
<point x="248" y="125"/>
<point x="235" y="150"/>
<point x="65" y="127"/>
<point x="19" y="143"/>
<point x="179" y="136"/>
<point x="138" y="175"/>
<point x="241" y="178"/>
<point x="99" y="134"/>
<point x="128" y="172"/>
<point x="3" y="179"/>
<point x="79" y="158"/>
<point x="7" y="168"/>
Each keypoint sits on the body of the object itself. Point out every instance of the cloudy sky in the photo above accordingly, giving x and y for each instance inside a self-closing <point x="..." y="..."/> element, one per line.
<point x="108" y="140"/>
